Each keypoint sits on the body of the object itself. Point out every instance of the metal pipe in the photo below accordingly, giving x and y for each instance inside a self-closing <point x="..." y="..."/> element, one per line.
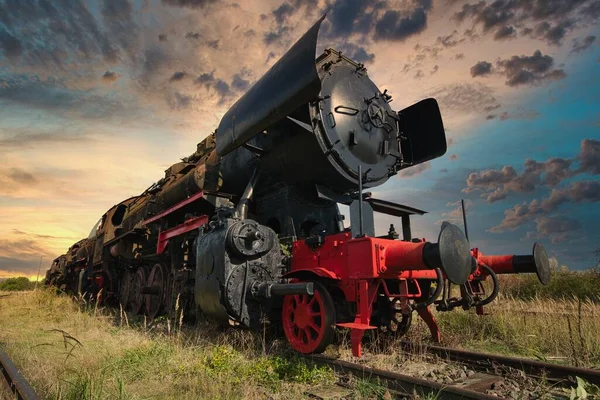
<point x="521" y="264"/>
<point x="360" y="202"/>
<point x="242" y="207"/>
<point x="464" y="213"/>
<point x="451" y="254"/>
<point x="438" y="290"/>
<point x="266" y="290"/>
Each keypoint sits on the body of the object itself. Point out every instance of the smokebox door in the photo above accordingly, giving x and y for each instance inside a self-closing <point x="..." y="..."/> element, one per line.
<point x="423" y="132"/>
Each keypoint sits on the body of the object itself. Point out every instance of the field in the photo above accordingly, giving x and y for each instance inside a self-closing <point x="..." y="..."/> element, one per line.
<point x="72" y="350"/>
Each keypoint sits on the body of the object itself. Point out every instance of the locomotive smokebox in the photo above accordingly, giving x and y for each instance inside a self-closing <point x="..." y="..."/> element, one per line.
<point x="320" y="122"/>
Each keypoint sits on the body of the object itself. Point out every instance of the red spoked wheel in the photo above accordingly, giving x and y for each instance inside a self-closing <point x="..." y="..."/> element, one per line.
<point x="308" y="321"/>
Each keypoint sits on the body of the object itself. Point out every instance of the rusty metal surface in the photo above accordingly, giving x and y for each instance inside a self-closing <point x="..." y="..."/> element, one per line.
<point x="530" y="367"/>
<point x="15" y="380"/>
<point x="407" y="384"/>
<point x="291" y="82"/>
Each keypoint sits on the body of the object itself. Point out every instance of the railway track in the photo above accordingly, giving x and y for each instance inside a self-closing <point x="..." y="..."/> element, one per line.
<point x="490" y="362"/>
<point x="15" y="381"/>
<point x="401" y="385"/>
<point x="491" y="369"/>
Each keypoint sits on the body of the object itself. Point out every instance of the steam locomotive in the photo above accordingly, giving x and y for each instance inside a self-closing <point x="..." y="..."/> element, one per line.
<point x="247" y="229"/>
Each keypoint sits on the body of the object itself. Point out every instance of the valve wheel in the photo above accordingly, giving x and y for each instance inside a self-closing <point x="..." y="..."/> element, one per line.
<point x="308" y="321"/>
<point x="137" y="299"/>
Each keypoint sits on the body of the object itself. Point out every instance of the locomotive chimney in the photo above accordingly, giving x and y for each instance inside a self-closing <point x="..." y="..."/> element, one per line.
<point x="451" y="253"/>
<point x="520" y="264"/>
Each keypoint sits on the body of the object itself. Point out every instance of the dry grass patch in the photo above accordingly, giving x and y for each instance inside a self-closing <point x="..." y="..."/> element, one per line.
<point x="68" y="352"/>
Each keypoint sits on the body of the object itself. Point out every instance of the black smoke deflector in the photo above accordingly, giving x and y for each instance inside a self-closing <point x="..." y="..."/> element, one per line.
<point x="291" y="82"/>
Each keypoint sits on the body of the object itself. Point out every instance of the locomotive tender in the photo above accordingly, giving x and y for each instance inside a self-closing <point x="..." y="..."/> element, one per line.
<point x="247" y="229"/>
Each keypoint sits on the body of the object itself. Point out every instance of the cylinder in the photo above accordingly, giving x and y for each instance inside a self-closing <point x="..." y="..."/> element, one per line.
<point x="521" y="264"/>
<point x="265" y="290"/>
<point x="451" y="253"/>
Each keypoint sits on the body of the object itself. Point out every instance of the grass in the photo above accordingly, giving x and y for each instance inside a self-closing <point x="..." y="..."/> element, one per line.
<point x="71" y="353"/>
<point x="70" y="350"/>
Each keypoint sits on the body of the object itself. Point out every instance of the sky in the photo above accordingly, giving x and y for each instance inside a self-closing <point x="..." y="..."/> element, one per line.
<point x="98" y="98"/>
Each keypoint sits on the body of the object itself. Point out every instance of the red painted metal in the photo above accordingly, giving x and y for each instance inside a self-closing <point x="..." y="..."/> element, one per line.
<point x="188" y="226"/>
<point x="321" y="272"/>
<point x="175" y="207"/>
<point x="304" y="326"/>
<point x="427" y="316"/>
<point x="498" y="264"/>
<point x="359" y="258"/>
<point x="361" y="266"/>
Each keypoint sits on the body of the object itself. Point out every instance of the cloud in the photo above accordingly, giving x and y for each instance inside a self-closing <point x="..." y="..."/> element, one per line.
<point x="547" y="20"/>
<point x="450" y="40"/>
<point x="283" y="12"/>
<point x="11" y="46"/>
<point x="177" y="76"/>
<point x="464" y="98"/>
<point x="497" y="184"/>
<point x="415" y="170"/>
<point x="552" y="34"/>
<point x="589" y="157"/>
<point x="109" y="76"/>
<point x="520" y="114"/>
<point x="189" y="3"/>
<point x="456" y="215"/>
<point x="529" y="70"/>
<point x="481" y="68"/>
<point x="577" y="192"/>
<point x="583" y="45"/>
<point x="505" y="32"/>
<point x="395" y="26"/>
<point x="356" y="53"/>
<point x="27" y="139"/>
<point x="558" y="229"/>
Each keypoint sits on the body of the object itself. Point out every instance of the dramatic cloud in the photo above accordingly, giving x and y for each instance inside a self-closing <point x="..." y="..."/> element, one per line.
<point x="577" y="192"/>
<point x="547" y="20"/>
<point x="529" y="70"/>
<point x="481" y="68"/>
<point x="377" y="19"/>
<point x="497" y="184"/>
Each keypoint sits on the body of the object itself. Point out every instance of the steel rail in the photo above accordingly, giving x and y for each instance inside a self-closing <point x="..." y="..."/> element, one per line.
<point x="531" y="368"/>
<point x="406" y="384"/>
<point x="15" y="380"/>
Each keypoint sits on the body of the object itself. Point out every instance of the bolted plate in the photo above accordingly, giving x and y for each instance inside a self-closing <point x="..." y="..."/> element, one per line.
<point x="542" y="265"/>
<point x="455" y="253"/>
<point x="358" y="125"/>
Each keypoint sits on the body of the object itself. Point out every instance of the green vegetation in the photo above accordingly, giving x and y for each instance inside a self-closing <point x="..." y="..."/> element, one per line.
<point x="77" y="351"/>
<point x="565" y="284"/>
<point x="16" y="284"/>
